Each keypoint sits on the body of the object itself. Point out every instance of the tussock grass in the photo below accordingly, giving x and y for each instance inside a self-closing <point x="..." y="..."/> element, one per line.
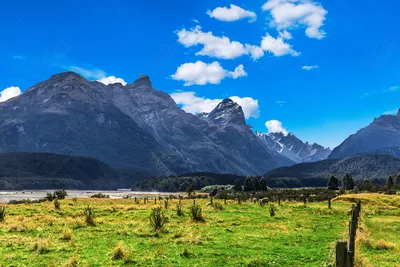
<point x="238" y="235"/>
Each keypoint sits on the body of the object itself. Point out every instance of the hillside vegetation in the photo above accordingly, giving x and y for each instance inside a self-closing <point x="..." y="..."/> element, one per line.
<point x="360" y="166"/>
<point x="48" y="171"/>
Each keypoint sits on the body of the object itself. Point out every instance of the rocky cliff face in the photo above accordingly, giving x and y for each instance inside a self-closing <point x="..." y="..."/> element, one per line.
<point x="382" y="136"/>
<point x="293" y="148"/>
<point x="133" y="126"/>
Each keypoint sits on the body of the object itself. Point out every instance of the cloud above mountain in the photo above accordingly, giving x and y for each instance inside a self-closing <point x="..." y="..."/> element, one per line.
<point x="275" y="126"/>
<point x="194" y="104"/>
<point x="9" y="93"/>
<point x="200" y="73"/>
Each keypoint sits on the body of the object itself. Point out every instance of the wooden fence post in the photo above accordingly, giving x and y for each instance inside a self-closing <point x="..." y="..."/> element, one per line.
<point x="329" y="202"/>
<point x="211" y="200"/>
<point x="155" y="200"/>
<point x="341" y="254"/>
<point x="279" y="200"/>
<point x="194" y="202"/>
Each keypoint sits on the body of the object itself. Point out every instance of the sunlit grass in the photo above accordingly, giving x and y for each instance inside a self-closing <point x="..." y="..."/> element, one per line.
<point x="237" y="235"/>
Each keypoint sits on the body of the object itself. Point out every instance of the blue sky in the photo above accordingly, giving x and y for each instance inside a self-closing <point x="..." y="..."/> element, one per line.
<point x="323" y="69"/>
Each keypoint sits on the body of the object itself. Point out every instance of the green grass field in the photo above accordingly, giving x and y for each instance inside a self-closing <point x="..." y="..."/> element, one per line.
<point x="239" y="235"/>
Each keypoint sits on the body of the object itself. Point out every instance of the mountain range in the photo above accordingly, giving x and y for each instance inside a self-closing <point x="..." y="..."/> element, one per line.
<point x="131" y="127"/>
<point x="137" y="129"/>
<point x="382" y="136"/>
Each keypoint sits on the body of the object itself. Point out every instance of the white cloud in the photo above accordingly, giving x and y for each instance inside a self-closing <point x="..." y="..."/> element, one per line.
<point x="9" y="92"/>
<point x="215" y="46"/>
<point x="194" y="104"/>
<point x="392" y="112"/>
<point x="111" y="80"/>
<point x="275" y="126"/>
<point x="277" y="46"/>
<point x="281" y="102"/>
<point x="394" y="88"/>
<point x="310" y="67"/>
<point x="294" y="13"/>
<point x="87" y="73"/>
<point x="201" y="73"/>
<point x="232" y="13"/>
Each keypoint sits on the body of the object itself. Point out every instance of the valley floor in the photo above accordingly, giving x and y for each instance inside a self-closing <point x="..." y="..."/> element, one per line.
<point x="239" y="235"/>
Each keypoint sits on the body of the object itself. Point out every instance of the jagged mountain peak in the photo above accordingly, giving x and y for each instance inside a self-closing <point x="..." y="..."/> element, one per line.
<point x="226" y="113"/>
<point x="288" y="145"/>
<point x="143" y="80"/>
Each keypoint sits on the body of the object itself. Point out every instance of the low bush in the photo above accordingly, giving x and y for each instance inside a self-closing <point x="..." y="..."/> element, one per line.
<point x="57" y="204"/>
<point x="157" y="219"/>
<point x="89" y="215"/>
<point x="179" y="209"/>
<point x="272" y="210"/>
<point x="195" y="213"/>
<point x="2" y="214"/>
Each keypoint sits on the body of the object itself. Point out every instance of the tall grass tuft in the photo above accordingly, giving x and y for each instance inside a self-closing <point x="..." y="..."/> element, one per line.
<point x="57" y="204"/>
<point x="157" y="219"/>
<point x="179" y="209"/>
<point x="166" y="204"/>
<point x="119" y="252"/>
<point x="89" y="215"/>
<point x="72" y="262"/>
<point x="2" y="214"/>
<point x="218" y="206"/>
<point x="272" y="210"/>
<point x="67" y="234"/>
<point x="195" y="213"/>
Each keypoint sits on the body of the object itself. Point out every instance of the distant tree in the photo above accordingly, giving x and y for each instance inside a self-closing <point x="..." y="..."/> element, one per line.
<point x="263" y="185"/>
<point x="389" y="183"/>
<point x="237" y="186"/>
<point x="248" y="184"/>
<point x="333" y="183"/>
<point x="397" y="181"/>
<point x="190" y="190"/>
<point x="348" y="182"/>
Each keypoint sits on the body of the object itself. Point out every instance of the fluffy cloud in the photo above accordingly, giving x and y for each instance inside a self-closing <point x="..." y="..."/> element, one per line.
<point x="111" y="80"/>
<point x="294" y="13"/>
<point x="275" y="126"/>
<point x="9" y="92"/>
<point x="277" y="46"/>
<point x="201" y="73"/>
<point x="87" y="73"/>
<point x="215" y="46"/>
<point x="232" y="13"/>
<point x="310" y="67"/>
<point x="194" y="104"/>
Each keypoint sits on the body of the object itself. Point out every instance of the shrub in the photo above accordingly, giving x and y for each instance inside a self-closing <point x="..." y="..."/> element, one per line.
<point x="49" y="196"/>
<point x="2" y="214"/>
<point x="166" y="204"/>
<point x="157" y="219"/>
<point x="100" y="195"/>
<point x="119" y="252"/>
<point x="195" y="213"/>
<point x="272" y="210"/>
<point x="75" y="199"/>
<point x="179" y="209"/>
<point x="57" y="204"/>
<point x="89" y="215"/>
<point x="60" y="194"/>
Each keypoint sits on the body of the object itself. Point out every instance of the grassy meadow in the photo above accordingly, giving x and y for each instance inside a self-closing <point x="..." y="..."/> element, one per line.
<point x="238" y="235"/>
